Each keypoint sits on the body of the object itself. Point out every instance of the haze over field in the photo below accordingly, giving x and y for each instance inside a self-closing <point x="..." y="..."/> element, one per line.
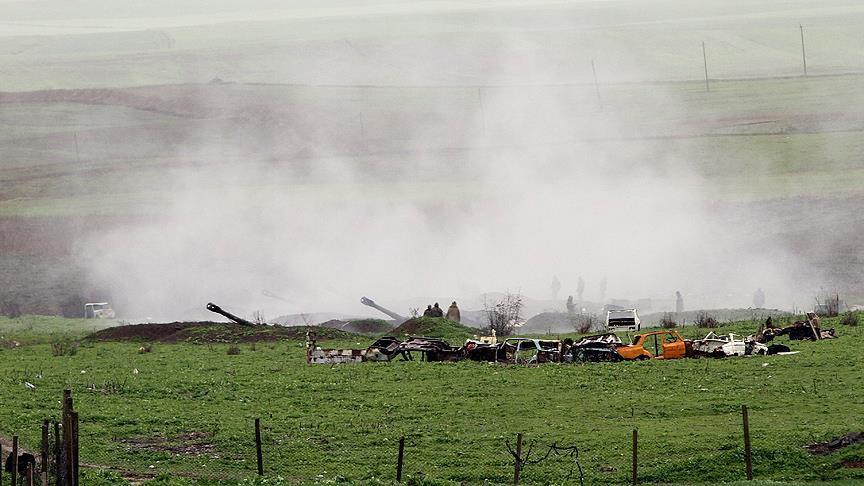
<point x="436" y="150"/>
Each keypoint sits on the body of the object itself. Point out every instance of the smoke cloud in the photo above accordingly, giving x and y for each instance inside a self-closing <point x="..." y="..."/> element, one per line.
<point x="518" y="176"/>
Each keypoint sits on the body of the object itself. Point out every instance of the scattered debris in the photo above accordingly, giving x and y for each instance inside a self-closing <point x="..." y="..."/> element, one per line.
<point x="823" y="448"/>
<point x="798" y="330"/>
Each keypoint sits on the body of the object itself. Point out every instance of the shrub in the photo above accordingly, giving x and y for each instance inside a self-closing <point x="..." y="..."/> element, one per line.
<point x="668" y="322"/>
<point x="704" y="319"/>
<point x="64" y="347"/>
<point x="233" y="350"/>
<point x="583" y="324"/>
<point x="849" y="319"/>
<point x="504" y="315"/>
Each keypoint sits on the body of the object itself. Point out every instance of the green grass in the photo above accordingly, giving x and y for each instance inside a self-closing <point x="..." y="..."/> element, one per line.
<point x="334" y="423"/>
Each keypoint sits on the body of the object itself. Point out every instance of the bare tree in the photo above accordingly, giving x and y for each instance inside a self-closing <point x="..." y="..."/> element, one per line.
<point x="704" y="319"/>
<point x="504" y="314"/>
<point x="831" y="306"/>
<point x="258" y="318"/>
<point x="668" y="321"/>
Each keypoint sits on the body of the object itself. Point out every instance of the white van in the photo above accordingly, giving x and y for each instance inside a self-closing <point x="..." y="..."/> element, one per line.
<point x="622" y="320"/>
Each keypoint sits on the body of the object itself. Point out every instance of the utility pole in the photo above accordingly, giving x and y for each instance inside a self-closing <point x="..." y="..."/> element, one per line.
<point x="596" y="84"/>
<point x="705" y="62"/>
<point x="803" y="52"/>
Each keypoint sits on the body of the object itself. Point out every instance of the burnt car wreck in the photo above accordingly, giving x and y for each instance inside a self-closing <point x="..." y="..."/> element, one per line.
<point x="607" y="347"/>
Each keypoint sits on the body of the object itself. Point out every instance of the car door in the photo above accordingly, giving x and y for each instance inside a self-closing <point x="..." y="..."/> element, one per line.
<point x="673" y="346"/>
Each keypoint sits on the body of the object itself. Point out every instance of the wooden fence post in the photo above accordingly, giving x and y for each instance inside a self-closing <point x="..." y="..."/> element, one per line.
<point x="68" y="453"/>
<point x="748" y="458"/>
<point x="44" y="466"/>
<point x="14" y="471"/>
<point x="30" y="474"/>
<point x="2" y="464"/>
<point x="635" y="456"/>
<point x="399" y="459"/>
<point x="76" y="465"/>
<point x="517" y="470"/>
<point x="58" y="461"/>
<point x="258" y="453"/>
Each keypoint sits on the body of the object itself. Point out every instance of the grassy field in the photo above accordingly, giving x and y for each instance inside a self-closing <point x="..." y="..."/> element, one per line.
<point x="327" y="424"/>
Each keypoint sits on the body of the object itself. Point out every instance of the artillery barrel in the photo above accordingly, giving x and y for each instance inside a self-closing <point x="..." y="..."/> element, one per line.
<point x="371" y="303"/>
<point x="239" y="320"/>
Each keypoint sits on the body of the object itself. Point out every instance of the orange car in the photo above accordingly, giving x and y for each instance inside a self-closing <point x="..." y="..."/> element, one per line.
<point x="658" y="344"/>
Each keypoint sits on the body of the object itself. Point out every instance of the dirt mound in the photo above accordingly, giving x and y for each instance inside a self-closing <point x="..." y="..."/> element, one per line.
<point x="212" y="332"/>
<point x="434" y="327"/>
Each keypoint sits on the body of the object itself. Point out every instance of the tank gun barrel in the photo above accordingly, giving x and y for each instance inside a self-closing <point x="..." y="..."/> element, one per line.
<point x="371" y="303"/>
<point x="239" y="320"/>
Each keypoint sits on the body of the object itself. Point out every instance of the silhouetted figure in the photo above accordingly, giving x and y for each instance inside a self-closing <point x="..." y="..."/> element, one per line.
<point x="758" y="298"/>
<point x="453" y="313"/>
<point x="571" y="307"/>
<point x="428" y="312"/>
<point x="679" y="302"/>
<point x="437" y="311"/>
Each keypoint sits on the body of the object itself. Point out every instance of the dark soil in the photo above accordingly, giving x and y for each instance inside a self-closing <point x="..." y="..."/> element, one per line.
<point x="188" y="444"/>
<point x="823" y="448"/>
<point x="212" y="332"/>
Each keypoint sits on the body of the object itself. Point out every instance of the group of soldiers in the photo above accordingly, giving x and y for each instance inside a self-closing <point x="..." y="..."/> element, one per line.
<point x="436" y="311"/>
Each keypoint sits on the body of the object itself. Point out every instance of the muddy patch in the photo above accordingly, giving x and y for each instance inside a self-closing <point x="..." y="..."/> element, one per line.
<point x="827" y="447"/>
<point x="186" y="444"/>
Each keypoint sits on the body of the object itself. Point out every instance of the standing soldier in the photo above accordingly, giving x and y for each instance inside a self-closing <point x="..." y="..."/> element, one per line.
<point x="679" y="302"/>
<point x="437" y="311"/>
<point x="453" y="313"/>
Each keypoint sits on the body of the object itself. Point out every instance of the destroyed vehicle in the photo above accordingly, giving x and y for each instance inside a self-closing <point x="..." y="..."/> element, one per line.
<point x="516" y="350"/>
<point x="383" y="349"/>
<point x="601" y="347"/>
<point x="622" y="320"/>
<point x="720" y="346"/>
<point x="658" y="344"/>
<point x="529" y="351"/>
<point x="797" y="331"/>
<point x="98" y="310"/>
<point x="430" y="349"/>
